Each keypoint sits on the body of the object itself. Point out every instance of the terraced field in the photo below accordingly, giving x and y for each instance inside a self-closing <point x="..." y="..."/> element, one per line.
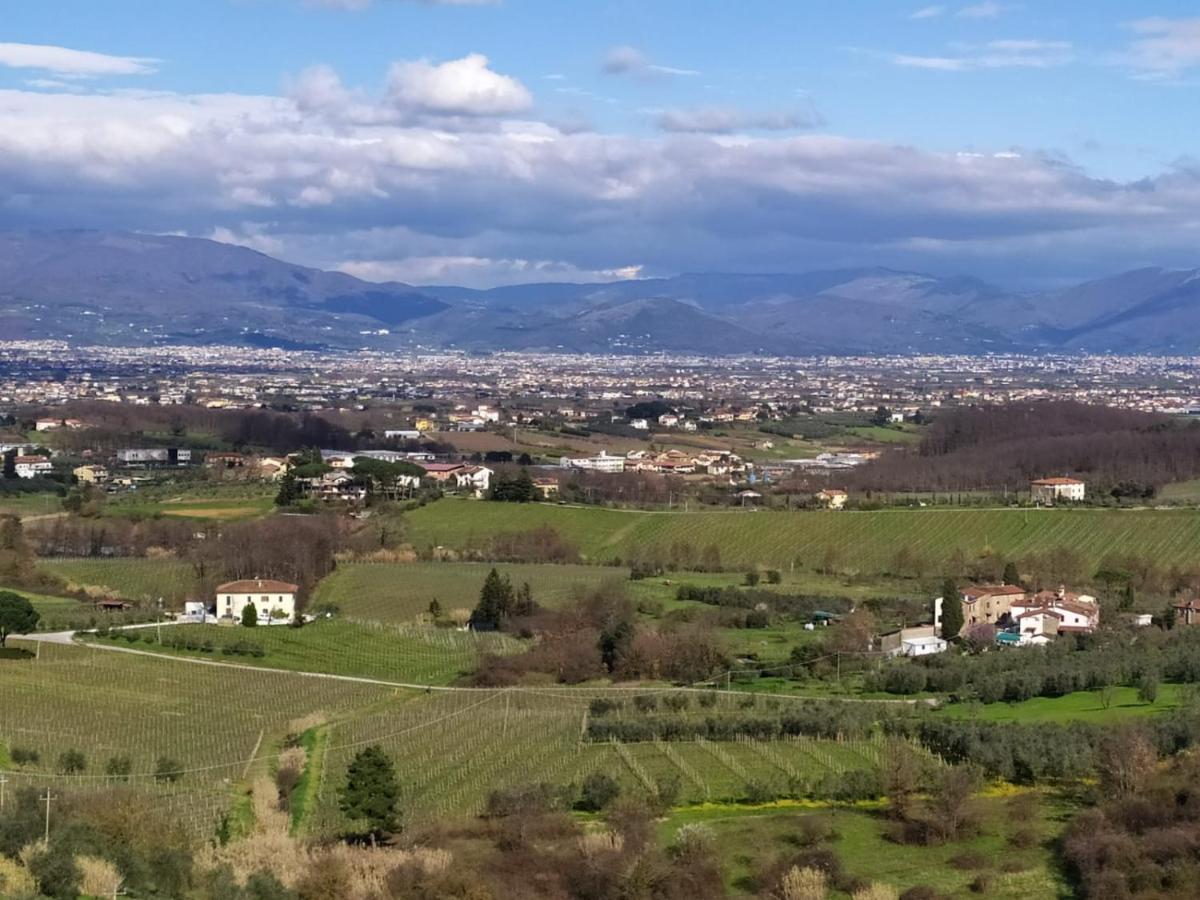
<point x="865" y="542"/>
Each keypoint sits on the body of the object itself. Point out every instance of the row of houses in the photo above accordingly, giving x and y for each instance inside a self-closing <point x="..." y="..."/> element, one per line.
<point x="671" y="462"/>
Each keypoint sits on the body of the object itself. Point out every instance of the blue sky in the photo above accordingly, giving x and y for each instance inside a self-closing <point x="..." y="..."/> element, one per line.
<point x="491" y="142"/>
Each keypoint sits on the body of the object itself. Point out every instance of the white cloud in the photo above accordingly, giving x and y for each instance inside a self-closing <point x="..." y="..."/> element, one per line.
<point x="479" y="271"/>
<point x="927" y="12"/>
<point x="67" y="62"/>
<point x="1004" y="54"/>
<point x="463" y="87"/>
<point x="522" y="193"/>
<point x="726" y="120"/>
<point x="1166" y="47"/>
<point x="626" y="60"/>
<point x="985" y="10"/>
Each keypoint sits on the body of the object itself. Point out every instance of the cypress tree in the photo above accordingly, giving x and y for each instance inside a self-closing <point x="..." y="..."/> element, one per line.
<point x="952" y="614"/>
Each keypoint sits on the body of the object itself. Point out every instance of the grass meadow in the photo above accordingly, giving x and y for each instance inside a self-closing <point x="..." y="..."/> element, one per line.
<point x="858" y="834"/>
<point x="418" y="654"/>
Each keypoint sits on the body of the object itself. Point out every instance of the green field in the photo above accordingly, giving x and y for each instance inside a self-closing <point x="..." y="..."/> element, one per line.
<point x="862" y="542"/>
<point x="399" y="592"/>
<point x="1081" y="706"/>
<point x="746" y="835"/>
<point x="26" y="505"/>
<point x="417" y="655"/>
<point x="132" y="579"/>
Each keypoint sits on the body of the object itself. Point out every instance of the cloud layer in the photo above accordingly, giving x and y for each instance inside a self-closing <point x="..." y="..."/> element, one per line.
<point x="443" y="173"/>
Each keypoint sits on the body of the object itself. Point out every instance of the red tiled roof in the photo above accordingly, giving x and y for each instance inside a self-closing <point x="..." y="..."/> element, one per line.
<point x="1050" y="482"/>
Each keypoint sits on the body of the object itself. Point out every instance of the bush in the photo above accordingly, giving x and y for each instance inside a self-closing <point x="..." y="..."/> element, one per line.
<point x="24" y="755"/>
<point x="602" y="706"/>
<point x="676" y="702"/>
<point x="167" y="770"/>
<point x="645" y="702"/>
<point x="598" y="791"/>
<point x="119" y="767"/>
<point x="71" y="762"/>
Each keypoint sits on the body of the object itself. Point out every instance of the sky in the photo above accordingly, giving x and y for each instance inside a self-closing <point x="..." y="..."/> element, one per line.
<point x="1031" y="144"/>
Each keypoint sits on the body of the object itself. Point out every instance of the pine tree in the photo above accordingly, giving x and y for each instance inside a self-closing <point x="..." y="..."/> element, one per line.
<point x="10" y="464"/>
<point x="1011" y="575"/>
<point x="952" y="614"/>
<point x="249" y="615"/>
<point x="371" y="792"/>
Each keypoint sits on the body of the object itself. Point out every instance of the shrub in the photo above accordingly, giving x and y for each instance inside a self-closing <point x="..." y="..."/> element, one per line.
<point x="167" y="770"/>
<point x="598" y="791"/>
<point x="602" y="706"/>
<point x="676" y="702"/>
<point x="645" y="702"/>
<point x="119" y="767"/>
<point x="71" y="762"/>
<point x="24" y="755"/>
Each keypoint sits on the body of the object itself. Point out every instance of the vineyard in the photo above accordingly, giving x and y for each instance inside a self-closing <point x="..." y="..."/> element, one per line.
<point x="132" y="579"/>
<point x="865" y="542"/>
<point x="399" y="592"/>
<point x="213" y="727"/>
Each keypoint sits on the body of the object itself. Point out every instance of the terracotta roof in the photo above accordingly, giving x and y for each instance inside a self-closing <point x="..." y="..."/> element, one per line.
<point x="1193" y="604"/>
<point x="1050" y="482"/>
<point x="992" y="590"/>
<point x="443" y="467"/>
<point x="1040" y="611"/>
<point x="256" y="586"/>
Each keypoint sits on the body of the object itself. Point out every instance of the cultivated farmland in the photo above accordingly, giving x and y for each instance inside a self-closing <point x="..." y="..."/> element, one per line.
<point x="218" y="725"/>
<point x="132" y="579"/>
<point x="865" y="542"/>
<point x="399" y="592"/>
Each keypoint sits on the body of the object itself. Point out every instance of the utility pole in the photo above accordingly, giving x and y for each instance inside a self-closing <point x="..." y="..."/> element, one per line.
<point x="48" y="798"/>
<point x="3" y="782"/>
<point x="158" y="620"/>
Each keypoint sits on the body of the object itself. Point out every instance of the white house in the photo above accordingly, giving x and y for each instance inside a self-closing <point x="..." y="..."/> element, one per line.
<point x="601" y="463"/>
<point x="274" y="601"/>
<point x="1078" y="613"/>
<point x="639" y="424"/>
<point x="668" y="420"/>
<point x="403" y="434"/>
<point x="922" y="646"/>
<point x="1048" y="490"/>
<point x="32" y="466"/>
<point x="476" y="479"/>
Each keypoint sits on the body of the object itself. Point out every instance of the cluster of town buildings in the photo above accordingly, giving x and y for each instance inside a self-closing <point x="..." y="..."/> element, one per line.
<point x="48" y="372"/>
<point x="670" y="462"/>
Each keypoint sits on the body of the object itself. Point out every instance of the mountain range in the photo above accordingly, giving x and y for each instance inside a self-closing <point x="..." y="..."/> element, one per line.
<point x="129" y="289"/>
